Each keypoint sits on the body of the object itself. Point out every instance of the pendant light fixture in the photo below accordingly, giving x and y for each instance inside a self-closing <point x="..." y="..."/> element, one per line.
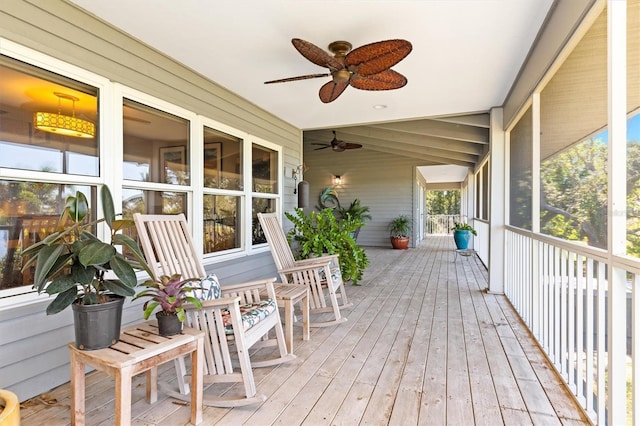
<point x="62" y="124"/>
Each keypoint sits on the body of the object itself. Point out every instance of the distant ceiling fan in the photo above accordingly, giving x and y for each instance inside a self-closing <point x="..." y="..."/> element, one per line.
<point x="366" y="68"/>
<point x="337" y="145"/>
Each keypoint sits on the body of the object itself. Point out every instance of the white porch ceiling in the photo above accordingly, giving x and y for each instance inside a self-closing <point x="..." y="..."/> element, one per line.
<point x="466" y="55"/>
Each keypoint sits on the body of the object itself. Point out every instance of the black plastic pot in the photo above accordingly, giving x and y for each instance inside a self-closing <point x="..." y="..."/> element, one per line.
<point x="98" y="326"/>
<point x="168" y="324"/>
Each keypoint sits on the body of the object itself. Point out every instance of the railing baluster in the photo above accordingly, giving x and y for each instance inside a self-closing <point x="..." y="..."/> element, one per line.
<point x="601" y="355"/>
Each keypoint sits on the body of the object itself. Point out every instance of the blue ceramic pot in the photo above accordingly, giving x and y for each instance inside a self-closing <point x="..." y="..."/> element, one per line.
<point x="462" y="237"/>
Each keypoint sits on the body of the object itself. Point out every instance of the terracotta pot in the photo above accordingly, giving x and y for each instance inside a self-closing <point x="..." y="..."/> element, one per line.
<point x="400" y="243"/>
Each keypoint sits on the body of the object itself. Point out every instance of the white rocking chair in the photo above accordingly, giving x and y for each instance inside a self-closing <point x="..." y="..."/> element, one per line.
<point x="321" y="275"/>
<point x="242" y="314"/>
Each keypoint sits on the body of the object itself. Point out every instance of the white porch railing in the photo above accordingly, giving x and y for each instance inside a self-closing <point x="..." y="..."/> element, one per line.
<point x="440" y="224"/>
<point x="561" y="291"/>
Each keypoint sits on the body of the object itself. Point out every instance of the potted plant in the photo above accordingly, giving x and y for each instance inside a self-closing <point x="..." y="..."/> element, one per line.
<point x="320" y="232"/>
<point x="170" y="294"/>
<point x="462" y="234"/>
<point x="399" y="230"/>
<point x="355" y="211"/>
<point x="71" y="264"/>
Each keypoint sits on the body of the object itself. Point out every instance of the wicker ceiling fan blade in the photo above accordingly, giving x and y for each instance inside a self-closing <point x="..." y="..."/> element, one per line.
<point x="366" y="68"/>
<point x="330" y="91"/>
<point x="316" y="55"/>
<point x="348" y="145"/>
<point x="324" y="147"/>
<point x="376" y="57"/>
<point x="301" y="77"/>
<point x="385" y="80"/>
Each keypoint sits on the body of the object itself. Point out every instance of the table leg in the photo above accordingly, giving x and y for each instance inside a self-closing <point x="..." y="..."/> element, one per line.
<point x="197" y="371"/>
<point x="123" y="396"/>
<point x="288" y="324"/>
<point x="152" y="385"/>
<point x="77" y="390"/>
<point x="305" y="317"/>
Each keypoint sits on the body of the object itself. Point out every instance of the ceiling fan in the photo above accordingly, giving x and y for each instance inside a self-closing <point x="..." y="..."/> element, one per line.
<point x="366" y="68"/>
<point x="337" y="145"/>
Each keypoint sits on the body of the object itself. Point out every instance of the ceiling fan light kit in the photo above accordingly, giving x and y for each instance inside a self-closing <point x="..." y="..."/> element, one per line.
<point x="366" y="68"/>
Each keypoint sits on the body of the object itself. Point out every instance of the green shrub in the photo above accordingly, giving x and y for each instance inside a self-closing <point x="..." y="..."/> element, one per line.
<point x="321" y="233"/>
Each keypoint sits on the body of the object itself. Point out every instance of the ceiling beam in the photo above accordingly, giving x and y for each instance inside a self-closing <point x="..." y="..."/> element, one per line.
<point x="354" y="134"/>
<point x="439" y="129"/>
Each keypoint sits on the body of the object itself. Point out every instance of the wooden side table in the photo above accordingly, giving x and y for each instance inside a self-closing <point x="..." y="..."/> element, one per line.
<point x="287" y="296"/>
<point x="140" y="349"/>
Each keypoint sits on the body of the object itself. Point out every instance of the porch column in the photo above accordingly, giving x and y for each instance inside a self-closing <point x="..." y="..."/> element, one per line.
<point x="497" y="203"/>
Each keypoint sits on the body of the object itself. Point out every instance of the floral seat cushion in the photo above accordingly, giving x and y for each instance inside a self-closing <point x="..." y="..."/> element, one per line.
<point x="251" y="313"/>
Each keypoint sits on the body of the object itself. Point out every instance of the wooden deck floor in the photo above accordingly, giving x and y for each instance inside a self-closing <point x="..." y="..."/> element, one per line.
<point x="424" y="344"/>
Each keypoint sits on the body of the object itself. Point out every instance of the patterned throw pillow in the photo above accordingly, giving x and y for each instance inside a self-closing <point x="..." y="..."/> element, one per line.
<point x="210" y="288"/>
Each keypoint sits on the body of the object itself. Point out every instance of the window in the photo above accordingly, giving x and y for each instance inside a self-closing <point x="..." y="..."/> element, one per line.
<point x="49" y="149"/>
<point x="223" y="195"/>
<point x="30" y="95"/>
<point x="520" y="164"/>
<point x="156" y="148"/>
<point x="156" y="145"/>
<point x="633" y="128"/>
<point x="573" y="144"/>
<point x="265" y="187"/>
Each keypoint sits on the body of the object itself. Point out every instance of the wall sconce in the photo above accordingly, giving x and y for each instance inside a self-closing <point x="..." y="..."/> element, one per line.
<point x="337" y="180"/>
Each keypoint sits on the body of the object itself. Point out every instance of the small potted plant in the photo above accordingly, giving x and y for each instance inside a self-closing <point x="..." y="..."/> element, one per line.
<point x="462" y="234"/>
<point x="399" y="230"/>
<point x="170" y="294"/>
<point x="71" y="263"/>
<point x="355" y="211"/>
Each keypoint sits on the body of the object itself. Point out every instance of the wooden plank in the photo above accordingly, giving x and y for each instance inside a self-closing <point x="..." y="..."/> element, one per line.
<point x="423" y="345"/>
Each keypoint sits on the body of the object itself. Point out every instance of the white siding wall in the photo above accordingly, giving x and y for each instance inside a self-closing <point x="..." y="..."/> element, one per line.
<point x="382" y="181"/>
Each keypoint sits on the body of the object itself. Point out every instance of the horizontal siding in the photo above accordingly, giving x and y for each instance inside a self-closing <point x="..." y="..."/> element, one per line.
<point x="33" y="353"/>
<point x="381" y="181"/>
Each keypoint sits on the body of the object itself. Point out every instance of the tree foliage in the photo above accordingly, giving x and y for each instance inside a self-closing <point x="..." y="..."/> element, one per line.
<point x="443" y="202"/>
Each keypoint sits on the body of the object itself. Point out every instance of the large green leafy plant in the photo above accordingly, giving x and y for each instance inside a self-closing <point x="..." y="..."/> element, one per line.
<point x="321" y="233"/>
<point x="71" y="263"/>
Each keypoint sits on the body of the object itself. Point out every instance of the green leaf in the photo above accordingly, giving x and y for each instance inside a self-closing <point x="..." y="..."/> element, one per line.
<point x="123" y="270"/>
<point x="77" y="206"/>
<point x="108" y="210"/>
<point x="82" y="275"/>
<point x="149" y="309"/>
<point x="61" y="284"/>
<point x="96" y="253"/>
<point x="119" y="288"/>
<point x="46" y="260"/>
<point x="120" y="224"/>
<point x="131" y="244"/>
<point x="62" y="301"/>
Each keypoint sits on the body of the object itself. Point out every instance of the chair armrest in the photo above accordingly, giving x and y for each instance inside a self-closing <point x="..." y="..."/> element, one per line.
<point x="295" y="269"/>
<point x="252" y="291"/>
<point x="322" y="259"/>
<point x="223" y="302"/>
<point x="250" y="285"/>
